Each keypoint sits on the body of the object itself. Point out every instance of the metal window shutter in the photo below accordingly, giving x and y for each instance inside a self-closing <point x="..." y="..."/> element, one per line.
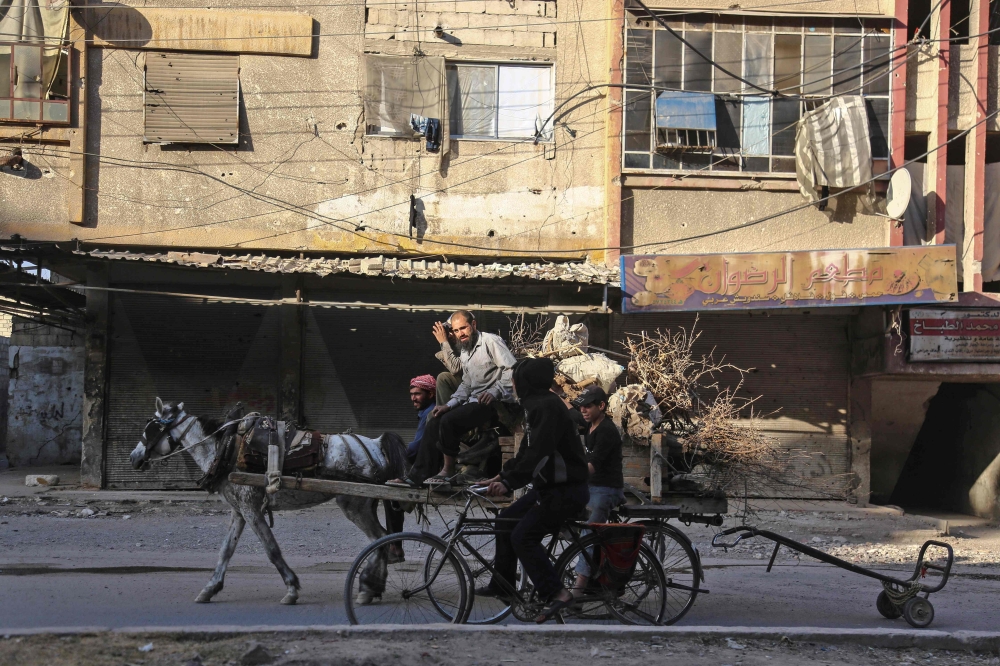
<point x="357" y="366"/>
<point x="191" y="98"/>
<point x="801" y="371"/>
<point x="208" y="355"/>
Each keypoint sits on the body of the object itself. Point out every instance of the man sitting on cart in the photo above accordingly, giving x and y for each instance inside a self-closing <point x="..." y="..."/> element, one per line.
<point x="449" y="355"/>
<point x="552" y="459"/>
<point x="422" y="395"/>
<point x="487" y="367"/>
<point x="603" y="444"/>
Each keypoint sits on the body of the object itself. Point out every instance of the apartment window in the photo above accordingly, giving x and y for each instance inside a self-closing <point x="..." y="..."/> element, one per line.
<point x="487" y="101"/>
<point x="753" y="132"/>
<point x="397" y="88"/>
<point x="34" y="83"/>
<point x="191" y="98"/>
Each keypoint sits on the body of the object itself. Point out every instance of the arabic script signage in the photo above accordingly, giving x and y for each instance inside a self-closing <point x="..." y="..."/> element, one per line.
<point x="954" y="335"/>
<point x="918" y="274"/>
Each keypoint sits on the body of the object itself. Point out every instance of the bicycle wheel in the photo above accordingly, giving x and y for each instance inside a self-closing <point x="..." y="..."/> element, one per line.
<point x="681" y="566"/>
<point x="476" y="550"/>
<point x="405" y="592"/>
<point x="640" y="601"/>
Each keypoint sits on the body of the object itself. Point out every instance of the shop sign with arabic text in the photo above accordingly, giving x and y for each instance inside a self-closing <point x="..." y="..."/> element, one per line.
<point x="883" y="276"/>
<point x="954" y="335"/>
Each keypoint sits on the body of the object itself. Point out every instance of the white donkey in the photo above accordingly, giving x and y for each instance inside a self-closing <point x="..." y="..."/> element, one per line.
<point x="346" y="457"/>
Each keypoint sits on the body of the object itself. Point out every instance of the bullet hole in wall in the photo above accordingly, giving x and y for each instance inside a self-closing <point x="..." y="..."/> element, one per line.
<point x="491" y="233"/>
<point x="341" y="126"/>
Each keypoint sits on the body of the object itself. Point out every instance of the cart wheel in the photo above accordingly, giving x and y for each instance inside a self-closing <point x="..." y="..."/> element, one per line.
<point x="918" y="612"/>
<point x="886" y="607"/>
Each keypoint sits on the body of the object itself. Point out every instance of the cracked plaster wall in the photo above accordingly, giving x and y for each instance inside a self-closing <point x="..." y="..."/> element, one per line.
<point x="302" y="143"/>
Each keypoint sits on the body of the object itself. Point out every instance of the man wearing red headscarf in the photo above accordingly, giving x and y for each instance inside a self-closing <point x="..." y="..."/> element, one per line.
<point x="422" y="395"/>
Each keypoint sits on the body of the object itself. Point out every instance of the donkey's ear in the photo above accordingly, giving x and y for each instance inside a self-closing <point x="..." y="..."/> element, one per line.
<point x="159" y="406"/>
<point x="180" y="407"/>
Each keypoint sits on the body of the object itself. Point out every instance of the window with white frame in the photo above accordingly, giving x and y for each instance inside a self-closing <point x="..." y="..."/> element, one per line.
<point x="498" y="101"/>
<point x="809" y="59"/>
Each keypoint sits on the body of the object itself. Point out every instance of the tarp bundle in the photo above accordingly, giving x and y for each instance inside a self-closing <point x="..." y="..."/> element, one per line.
<point x="633" y="409"/>
<point x="566" y="340"/>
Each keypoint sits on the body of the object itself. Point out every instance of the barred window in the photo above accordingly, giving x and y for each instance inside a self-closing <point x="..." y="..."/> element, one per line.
<point x="753" y="131"/>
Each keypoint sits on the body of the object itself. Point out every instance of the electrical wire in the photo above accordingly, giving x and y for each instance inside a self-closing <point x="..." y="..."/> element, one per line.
<point x="430" y="240"/>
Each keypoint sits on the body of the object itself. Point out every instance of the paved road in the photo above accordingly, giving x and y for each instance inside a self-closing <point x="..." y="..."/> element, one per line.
<point x="66" y="572"/>
<point x="803" y="596"/>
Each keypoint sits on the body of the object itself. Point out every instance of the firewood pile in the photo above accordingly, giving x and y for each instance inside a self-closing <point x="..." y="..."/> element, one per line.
<point x="713" y="438"/>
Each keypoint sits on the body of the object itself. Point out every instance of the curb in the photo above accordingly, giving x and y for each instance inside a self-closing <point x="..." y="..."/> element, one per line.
<point x="975" y="641"/>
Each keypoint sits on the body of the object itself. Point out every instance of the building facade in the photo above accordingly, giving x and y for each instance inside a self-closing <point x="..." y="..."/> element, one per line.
<point x="273" y="206"/>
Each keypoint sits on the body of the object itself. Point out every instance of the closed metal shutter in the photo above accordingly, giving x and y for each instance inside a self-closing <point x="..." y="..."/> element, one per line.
<point x="800" y="370"/>
<point x="209" y="355"/>
<point x="357" y="366"/>
<point x="192" y="98"/>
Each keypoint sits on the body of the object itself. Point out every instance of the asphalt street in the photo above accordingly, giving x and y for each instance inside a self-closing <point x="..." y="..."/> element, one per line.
<point x="145" y="570"/>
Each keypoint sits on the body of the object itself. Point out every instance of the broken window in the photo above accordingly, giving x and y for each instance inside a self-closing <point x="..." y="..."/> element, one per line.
<point x="191" y="98"/>
<point x="34" y="62"/>
<point x="500" y="101"/>
<point x="753" y="130"/>
<point x="397" y="88"/>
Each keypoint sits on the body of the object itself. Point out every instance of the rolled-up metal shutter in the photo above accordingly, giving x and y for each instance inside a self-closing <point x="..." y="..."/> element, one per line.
<point x="192" y="98"/>
<point x="209" y="355"/>
<point x="357" y="366"/>
<point x="800" y="369"/>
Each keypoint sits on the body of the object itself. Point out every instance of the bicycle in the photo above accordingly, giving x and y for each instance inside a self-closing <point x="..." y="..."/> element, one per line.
<point x="437" y="584"/>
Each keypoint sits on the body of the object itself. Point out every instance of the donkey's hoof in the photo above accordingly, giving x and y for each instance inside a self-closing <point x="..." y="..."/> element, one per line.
<point x="203" y="597"/>
<point x="290" y="599"/>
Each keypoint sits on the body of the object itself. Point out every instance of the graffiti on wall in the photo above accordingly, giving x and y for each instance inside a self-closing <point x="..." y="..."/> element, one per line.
<point x="45" y="405"/>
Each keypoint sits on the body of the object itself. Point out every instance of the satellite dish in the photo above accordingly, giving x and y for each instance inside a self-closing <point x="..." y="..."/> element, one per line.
<point x="897" y="198"/>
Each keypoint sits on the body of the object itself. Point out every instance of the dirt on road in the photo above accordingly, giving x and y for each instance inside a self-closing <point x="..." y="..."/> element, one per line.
<point x="312" y="649"/>
<point x="868" y="537"/>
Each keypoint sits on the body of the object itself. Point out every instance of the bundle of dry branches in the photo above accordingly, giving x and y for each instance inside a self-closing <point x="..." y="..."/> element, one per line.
<point x="525" y="338"/>
<point x="729" y="452"/>
<point x="665" y="363"/>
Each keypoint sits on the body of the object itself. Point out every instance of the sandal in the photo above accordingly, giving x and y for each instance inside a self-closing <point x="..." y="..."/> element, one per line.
<point x="554" y="607"/>
<point x="405" y="482"/>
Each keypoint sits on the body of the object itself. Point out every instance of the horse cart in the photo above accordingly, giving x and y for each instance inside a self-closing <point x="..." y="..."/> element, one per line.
<point x="432" y="577"/>
<point x="409" y="577"/>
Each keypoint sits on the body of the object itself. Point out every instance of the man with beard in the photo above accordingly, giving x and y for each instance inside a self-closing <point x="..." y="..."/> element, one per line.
<point x="487" y="367"/>
<point x="422" y="390"/>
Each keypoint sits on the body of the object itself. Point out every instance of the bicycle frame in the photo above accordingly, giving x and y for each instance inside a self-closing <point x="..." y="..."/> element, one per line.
<point x="487" y="526"/>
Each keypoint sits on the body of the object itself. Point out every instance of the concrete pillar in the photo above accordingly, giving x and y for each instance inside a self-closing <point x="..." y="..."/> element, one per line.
<point x="898" y="118"/>
<point x="936" y="177"/>
<point x="613" y="145"/>
<point x="95" y="379"/>
<point x="975" y="152"/>
<point x="290" y="381"/>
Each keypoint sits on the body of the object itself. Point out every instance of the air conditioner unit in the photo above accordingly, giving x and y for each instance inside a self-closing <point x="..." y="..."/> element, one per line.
<point x="685" y="121"/>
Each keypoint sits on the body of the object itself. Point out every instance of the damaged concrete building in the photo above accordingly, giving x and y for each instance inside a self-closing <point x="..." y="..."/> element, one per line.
<point x="274" y="206"/>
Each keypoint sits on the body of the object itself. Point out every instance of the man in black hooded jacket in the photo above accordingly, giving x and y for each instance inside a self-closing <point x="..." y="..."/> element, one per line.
<point x="552" y="459"/>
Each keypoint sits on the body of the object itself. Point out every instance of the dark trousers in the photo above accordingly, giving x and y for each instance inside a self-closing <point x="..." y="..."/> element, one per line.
<point x="441" y="436"/>
<point x="540" y="513"/>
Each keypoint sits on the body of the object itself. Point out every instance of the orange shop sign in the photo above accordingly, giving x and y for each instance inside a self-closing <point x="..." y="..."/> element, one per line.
<point x="880" y="276"/>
